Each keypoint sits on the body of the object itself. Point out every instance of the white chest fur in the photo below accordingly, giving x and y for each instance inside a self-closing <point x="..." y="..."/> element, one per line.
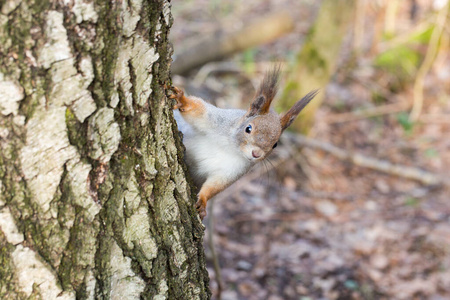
<point x="212" y="155"/>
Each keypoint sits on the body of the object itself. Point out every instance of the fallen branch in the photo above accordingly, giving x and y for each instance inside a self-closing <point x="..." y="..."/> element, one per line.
<point x="214" y="48"/>
<point x="417" y="174"/>
<point x="435" y="118"/>
<point x="368" y="113"/>
<point x="382" y="110"/>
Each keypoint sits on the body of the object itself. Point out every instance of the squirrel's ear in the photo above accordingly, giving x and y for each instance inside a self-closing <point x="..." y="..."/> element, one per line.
<point x="292" y="113"/>
<point x="266" y="92"/>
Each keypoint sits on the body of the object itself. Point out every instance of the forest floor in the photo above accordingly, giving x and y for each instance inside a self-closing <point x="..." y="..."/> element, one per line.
<point x="307" y="225"/>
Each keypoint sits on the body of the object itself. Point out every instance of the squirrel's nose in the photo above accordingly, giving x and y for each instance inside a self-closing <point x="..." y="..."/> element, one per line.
<point x="256" y="154"/>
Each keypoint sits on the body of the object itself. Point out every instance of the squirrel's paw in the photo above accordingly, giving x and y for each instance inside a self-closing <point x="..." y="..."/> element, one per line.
<point x="201" y="208"/>
<point x="178" y="95"/>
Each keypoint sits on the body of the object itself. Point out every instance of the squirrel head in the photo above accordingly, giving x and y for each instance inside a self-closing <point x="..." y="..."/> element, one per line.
<point x="261" y="127"/>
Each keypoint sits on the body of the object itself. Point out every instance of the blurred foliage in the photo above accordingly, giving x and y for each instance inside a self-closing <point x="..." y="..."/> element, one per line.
<point x="402" y="61"/>
<point x="423" y="37"/>
<point x="405" y="122"/>
<point x="249" y="60"/>
<point x="222" y="8"/>
<point x="378" y="98"/>
<point x="412" y="202"/>
<point x="431" y="153"/>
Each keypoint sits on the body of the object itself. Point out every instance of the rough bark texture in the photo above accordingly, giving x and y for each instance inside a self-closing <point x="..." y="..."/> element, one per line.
<point x="94" y="202"/>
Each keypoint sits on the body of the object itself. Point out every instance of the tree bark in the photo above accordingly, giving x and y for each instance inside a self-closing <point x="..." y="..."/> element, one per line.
<point x="317" y="61"/>
<point x="94" y="201"/>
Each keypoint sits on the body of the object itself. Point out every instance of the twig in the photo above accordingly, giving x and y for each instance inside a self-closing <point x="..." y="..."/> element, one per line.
<point x="285" y="216"/>
<point x="211" y="67"/>
<point x="214" y="255"/>
<point x="325" y="195"/>
<point x="228" y="67"/>
<point x="223" y="195"/>
<point x="358" y="28"/>
<point x="435" y="118"/>
<point x="427" y="63"/>
<point x="422" y="176"/>
<point x="403" y="38"/>
<point x="391" y="16"/>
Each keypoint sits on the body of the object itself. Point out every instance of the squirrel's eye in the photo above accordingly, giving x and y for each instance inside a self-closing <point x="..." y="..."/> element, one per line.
<point x="274" y="146"/>
<point x="248" y="129"/>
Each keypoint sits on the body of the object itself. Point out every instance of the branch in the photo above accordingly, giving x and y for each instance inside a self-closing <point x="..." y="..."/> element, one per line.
<point x="213" y="48"/>
<point x="417" y="174"/>
<point x="368" y="113"/>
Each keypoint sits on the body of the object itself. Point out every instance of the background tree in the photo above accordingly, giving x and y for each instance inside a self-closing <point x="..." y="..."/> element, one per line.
<point x="316" y="62"/>
<point x="94" y="202"/>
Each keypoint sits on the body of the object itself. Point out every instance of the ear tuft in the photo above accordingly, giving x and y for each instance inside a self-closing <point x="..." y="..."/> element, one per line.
<point x="292" y="113"/>
<point x="266" y="92"/>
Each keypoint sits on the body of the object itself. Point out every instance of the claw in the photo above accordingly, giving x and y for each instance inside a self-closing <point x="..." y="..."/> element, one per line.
<point x="178" y="94"/>
<point x="176" y="90"/>
<point x="201" y="208"/>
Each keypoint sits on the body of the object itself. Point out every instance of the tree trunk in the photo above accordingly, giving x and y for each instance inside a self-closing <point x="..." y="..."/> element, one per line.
<point x="316" y="62"/>
<point x="94" y="201"/>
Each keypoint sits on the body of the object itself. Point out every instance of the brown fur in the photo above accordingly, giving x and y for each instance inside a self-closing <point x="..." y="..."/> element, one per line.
<point x="265" y="94"/>
<point x="266" y="132"/>
<point x="292" y="113"/>
<point x="187" y="105"/>
<point x="208" y="190"/>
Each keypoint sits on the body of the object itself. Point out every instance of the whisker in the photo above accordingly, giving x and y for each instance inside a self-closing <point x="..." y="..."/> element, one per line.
<point x="267" y="170"/>
<point x="278" y="184"/>
<point x="261" y="173"/>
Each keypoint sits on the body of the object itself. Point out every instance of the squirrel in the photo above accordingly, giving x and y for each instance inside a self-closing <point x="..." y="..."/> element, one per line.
<point x="223" y="144"/>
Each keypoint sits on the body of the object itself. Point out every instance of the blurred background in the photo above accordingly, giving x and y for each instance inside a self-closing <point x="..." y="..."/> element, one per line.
<point x="354" y="201"/>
